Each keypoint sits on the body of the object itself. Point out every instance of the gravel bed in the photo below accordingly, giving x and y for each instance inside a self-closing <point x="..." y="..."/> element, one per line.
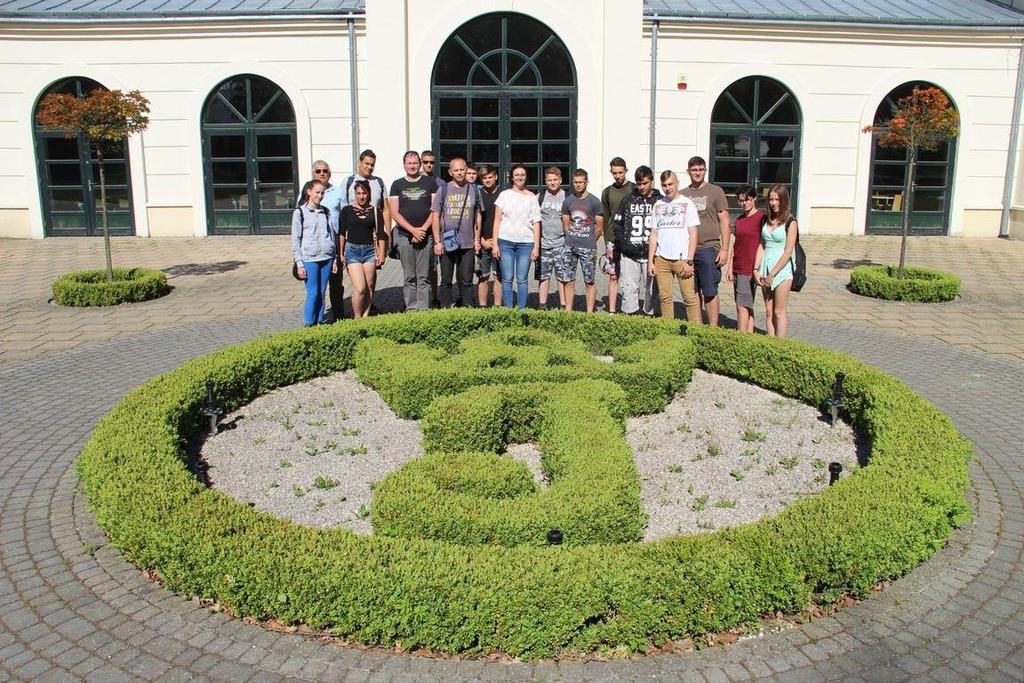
<point x="724" y="454"/>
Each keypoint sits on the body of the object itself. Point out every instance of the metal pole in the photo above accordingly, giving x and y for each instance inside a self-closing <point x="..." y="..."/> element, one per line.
<point x="1011" y="154"/>
<point x="654" y="92"/>
<point x="353" y="92"/>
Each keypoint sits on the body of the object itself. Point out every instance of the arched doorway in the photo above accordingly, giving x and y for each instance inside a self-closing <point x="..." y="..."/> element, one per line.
<point x="503" y="91"/>
<point x="69" y="178"/>
<point x="755" y="137"/>
<point x="933" y="181"/>
<point x="249" y="164"/>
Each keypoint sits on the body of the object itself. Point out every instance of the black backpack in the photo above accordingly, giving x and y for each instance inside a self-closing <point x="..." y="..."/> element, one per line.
<point x="799" y="262"/>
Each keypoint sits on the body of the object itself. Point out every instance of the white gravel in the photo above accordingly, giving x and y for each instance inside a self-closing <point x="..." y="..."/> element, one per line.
<point x="724" y="454"/>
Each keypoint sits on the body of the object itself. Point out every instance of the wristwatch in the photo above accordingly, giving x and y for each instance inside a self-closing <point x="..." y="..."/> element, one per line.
<point x="689" y="261"/>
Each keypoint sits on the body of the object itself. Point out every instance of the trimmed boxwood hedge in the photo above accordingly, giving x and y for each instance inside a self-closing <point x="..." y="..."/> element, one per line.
<point x="91" y="288"/>
<point x="925" y="285"/>
<point x="877" y="524"/>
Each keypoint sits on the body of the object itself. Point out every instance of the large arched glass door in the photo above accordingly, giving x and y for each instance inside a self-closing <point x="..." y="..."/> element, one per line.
<point x="69" y="178"/>
<point x="932" y="182"/>
<point x="504" y="91"/>
<point x="249" y="158"/>
<point x="755" y="137"/>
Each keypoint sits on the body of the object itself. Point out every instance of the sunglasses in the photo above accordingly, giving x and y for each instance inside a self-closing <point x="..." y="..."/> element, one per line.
<point x="429" y="162"/>
<point x="322" y="170"/>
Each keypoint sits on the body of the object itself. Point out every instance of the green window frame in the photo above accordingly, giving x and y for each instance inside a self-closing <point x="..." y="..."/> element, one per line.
<point x="69" y="178"/>
<point x="933" y="182"/>
<point x="250" y="172"/>
<point x="503" y="92"/>
<point x="756" y="130"/>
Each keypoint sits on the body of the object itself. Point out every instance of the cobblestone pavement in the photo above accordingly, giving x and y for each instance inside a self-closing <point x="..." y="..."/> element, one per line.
<point x="231" y="278"/>
<point x="72" y="608"/>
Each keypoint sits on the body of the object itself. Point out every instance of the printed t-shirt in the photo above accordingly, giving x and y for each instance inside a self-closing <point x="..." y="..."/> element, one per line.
<point x="487" y="200"/>
<point x="458" y="202"/>
<point x="359" y="230"/>
<point x="709" y="200"/>
<point x="519" y="211"/>
<point x="582" y="213"/>
<point x="671" y="220"/>
<point x="413" y="199"/>
<point x="745" y="241"/>
<point x="552" y="235"/>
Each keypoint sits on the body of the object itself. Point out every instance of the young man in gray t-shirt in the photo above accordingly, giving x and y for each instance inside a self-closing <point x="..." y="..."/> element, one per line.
<point x="583" y="223"/>
<point x="552" y="234"/>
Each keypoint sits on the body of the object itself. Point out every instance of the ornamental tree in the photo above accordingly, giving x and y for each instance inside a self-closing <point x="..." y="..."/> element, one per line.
<point x="924" y="119"/>
<point x="102" y="116"/>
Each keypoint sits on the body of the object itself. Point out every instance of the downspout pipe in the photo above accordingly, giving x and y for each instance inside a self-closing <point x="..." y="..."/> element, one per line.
<point x="654" y="92"/>
<point x="1011" y="154"/>
<point x="353" y="92"/>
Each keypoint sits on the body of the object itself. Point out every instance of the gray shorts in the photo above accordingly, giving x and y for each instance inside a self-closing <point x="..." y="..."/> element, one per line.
<point x="565" y="267"/>
<point x="547" y="264"/>
<point x="743" y="287"/>
<point x="487" y="266"/>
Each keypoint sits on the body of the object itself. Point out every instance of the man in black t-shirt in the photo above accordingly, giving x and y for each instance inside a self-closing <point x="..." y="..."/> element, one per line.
<point x="410" y="199"/>
<point x="488" y="269"/>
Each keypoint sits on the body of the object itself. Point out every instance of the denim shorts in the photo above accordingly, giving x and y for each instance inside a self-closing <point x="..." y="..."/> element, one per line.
<point x="707" y="271"/>
<point x="359" y="253"/>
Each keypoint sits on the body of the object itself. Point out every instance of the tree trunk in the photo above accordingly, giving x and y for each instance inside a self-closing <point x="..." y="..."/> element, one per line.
<point x="908" y="205"/>
<point x="103" y="213"/>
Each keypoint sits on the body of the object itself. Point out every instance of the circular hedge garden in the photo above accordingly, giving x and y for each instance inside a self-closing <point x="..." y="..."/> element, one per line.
<point x="91" y="287"/>
<point x="478" y="593"/>
<point x="925" y="285"/>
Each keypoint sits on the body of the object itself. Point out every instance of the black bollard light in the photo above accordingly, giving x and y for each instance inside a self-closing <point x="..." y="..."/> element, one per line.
<point x="835" y="404"/>
<point x="554" y="537"/>
<point x="363" y="334"/>
<point x="834" y="470"/>
<point x="211" y="411"/>
<point x="526" y="320"/>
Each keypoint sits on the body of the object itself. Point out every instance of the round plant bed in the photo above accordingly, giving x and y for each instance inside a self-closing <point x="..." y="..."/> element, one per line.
<point x="434" y="588"/>
<point x="925" y="285"/>
<point x="91" y="287"/>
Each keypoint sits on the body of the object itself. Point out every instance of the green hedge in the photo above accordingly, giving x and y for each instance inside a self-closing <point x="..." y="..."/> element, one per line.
<point x="878" y="523"/>
<point x="925" y="285"/>
<point x="91" y="288"/>
<point x="410" y="376"/>
<point x="594" y="496"/>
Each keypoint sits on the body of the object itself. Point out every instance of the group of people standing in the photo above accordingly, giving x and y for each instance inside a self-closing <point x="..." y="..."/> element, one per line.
<point x="459" y="229"/>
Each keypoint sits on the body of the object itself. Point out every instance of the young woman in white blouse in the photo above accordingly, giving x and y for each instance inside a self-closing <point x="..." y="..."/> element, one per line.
<point x="516" y="236"/>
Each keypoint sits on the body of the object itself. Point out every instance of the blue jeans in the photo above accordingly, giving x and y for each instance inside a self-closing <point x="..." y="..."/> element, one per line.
<point x="515" y="260"/>
<point x="317" y="275"/>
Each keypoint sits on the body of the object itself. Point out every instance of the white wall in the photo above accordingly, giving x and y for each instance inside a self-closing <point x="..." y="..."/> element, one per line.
<point x="175" y="65"/>
<point x="839" y="77"/>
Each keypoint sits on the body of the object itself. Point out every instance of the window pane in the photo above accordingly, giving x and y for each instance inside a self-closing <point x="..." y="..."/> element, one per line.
<point x="275" y="172"/>
<point x="278" y="112"/>
<point x="275" y="221"/>
<point x="524" y="130"/>
<point x="453" y="65"/>
<point x="732" y="146"/>
<point x="485" y="130"/>
<point x="485" y="106"/>
<point x="525" y="154"/>
<point x="556" y="154"/>
<point x="262" y="92"/>
<point x="555" y="67"/>
<point x="234" y="92"/>
<point x="556" y="130"/>
<point x="556" y="106"/>
<point x="940" y="154"/>
<point x="65" y="173"/>
<point x="890" y="153"/>
<point x="886" y="200"/>
<point x="778" y="146"/>
<point x="526" y="77"/>
<point x="776" y="172"/>
<point x="525" y="34"/>
<point x="117" y="199"/>
<point x="726" y="111"/>
<point x="232" y="172"/>
<point x="61" y="148"/>
<point x="730" y="171"/>
<point x="480" y="76"/>
<point x="523" y="107"/>
<point x="116" y="174"/>
<point x="276" y="198"/>
<point x="485" y="154"/>
<point x="274" y="146"/>
<point x="230" y="198"/>
<point x="66" y="199"/>
<point x="450" y="150"/>
<point x="222" y="146"/>
<point x="929" y="200"/>
<point x="482" y="35"/>
<point x="889" y="174"/>
<point x="113" y="150"/>
<point x="931" y="176"/>
<point x="454" y="106"/>
<point x="218" y="112"/>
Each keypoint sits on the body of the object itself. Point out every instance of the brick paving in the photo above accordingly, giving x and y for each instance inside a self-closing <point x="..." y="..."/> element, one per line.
<point x="71" y="608"/>
<point x="230" y="278"/>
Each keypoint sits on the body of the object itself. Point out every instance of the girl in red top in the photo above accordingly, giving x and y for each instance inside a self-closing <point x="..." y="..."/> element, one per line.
<point x="741" y="263"/>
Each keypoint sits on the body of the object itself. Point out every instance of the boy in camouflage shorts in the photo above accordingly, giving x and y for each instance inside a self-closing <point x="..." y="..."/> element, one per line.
<point x="582" y="222"/>
<point x="552" y="235"/>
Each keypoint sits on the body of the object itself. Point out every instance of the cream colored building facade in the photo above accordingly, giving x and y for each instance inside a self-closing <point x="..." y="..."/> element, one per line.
<point x="836" y="73"/>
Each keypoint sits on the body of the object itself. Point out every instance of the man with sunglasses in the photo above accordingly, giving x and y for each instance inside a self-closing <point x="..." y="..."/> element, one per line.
<point x="428" y="162"/>
<point x="335" y="285"/>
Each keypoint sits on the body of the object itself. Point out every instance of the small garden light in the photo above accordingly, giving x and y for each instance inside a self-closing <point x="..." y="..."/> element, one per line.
<point x="211" y="410"/>
<point x="526" y="320"/>
<point x="834" y="470"/>
<point x="836" y="402"/>
<point x="555" y="537"/>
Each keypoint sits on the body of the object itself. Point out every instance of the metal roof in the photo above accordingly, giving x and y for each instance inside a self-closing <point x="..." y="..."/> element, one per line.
<point x="970" y="13"/>
<point x="948" y="13"/>
<point x="64" y="10"/>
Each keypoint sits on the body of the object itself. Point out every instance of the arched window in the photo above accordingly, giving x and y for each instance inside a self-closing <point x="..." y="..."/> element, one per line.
<point x="69" y="178"/>
<point x="755" y="137"/>
<point x="504" y="91"/>
<point x="249" y="163"/>
<point x="932" y="184"/>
